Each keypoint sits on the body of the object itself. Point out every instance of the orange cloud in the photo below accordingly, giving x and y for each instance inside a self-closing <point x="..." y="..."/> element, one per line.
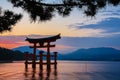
<point x="11" y="45"/>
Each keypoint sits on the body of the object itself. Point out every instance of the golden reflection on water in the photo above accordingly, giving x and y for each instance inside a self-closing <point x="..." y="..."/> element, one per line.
<point x="34" y="74"/>
<point x="67" y="70"/>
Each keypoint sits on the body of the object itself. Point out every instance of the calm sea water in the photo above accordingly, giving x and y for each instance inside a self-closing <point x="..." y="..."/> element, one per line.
<point x="67" y="70"/>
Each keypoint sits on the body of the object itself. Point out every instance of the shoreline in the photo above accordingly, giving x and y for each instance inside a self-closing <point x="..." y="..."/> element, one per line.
<point x="6" y="61"/>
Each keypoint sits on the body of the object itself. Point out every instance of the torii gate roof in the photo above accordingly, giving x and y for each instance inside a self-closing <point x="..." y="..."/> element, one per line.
<point x="43" y="40"/>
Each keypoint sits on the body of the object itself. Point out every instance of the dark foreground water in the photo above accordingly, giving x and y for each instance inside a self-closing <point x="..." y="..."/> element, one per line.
<point x="67" y="70"/>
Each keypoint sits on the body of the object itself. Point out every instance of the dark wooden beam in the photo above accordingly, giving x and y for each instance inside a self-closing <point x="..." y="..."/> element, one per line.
<point x="30" y="62"/>
<point x="43" y="46"/>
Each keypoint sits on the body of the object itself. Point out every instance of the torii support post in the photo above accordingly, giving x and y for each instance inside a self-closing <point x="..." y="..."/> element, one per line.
<point x="55" y="60"/>
<point x="41" y="60"/>
<point x="48" y="56"/>
<point x="26" y="60"/>
<point x="34" y="57"/>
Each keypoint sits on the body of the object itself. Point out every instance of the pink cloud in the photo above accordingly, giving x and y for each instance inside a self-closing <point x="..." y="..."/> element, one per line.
<point x="12" y="41"/>
<point x="16" y="41"/>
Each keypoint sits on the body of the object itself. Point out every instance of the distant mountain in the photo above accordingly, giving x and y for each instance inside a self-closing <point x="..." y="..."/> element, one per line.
<point x="93" y="54"/>
<point x="25" y="49"/>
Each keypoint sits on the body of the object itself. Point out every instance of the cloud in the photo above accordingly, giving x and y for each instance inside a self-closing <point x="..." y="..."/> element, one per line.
<point x="12" y="41"/>
<point x="15" y="41"/>
<point x="65" y="44"/>
<point x="109" y="25"/>
<point x="106" y="23"/>
<point x="109" y="11"/>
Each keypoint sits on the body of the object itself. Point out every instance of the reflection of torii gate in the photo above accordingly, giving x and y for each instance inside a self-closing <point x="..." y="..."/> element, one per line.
<point x="41" y="43"/>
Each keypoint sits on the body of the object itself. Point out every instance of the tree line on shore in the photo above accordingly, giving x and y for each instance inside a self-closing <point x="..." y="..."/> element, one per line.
<point x="10" y="55"/>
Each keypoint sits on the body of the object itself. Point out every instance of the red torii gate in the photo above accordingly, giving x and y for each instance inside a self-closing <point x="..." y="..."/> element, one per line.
<point x="42" y="43"/>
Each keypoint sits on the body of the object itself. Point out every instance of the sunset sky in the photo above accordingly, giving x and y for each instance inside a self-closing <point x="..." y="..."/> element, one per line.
<point x="77" y="30"/>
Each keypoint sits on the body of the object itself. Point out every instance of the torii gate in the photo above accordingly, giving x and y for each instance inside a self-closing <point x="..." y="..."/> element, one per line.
<point x="41" y="43"/>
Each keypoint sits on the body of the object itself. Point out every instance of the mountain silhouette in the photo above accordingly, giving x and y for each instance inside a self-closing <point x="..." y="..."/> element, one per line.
<point x="25" y="49"/>
<point x="7" y="55"/>
<point x="90" y="54"/>
<point x="93" y="54"/>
